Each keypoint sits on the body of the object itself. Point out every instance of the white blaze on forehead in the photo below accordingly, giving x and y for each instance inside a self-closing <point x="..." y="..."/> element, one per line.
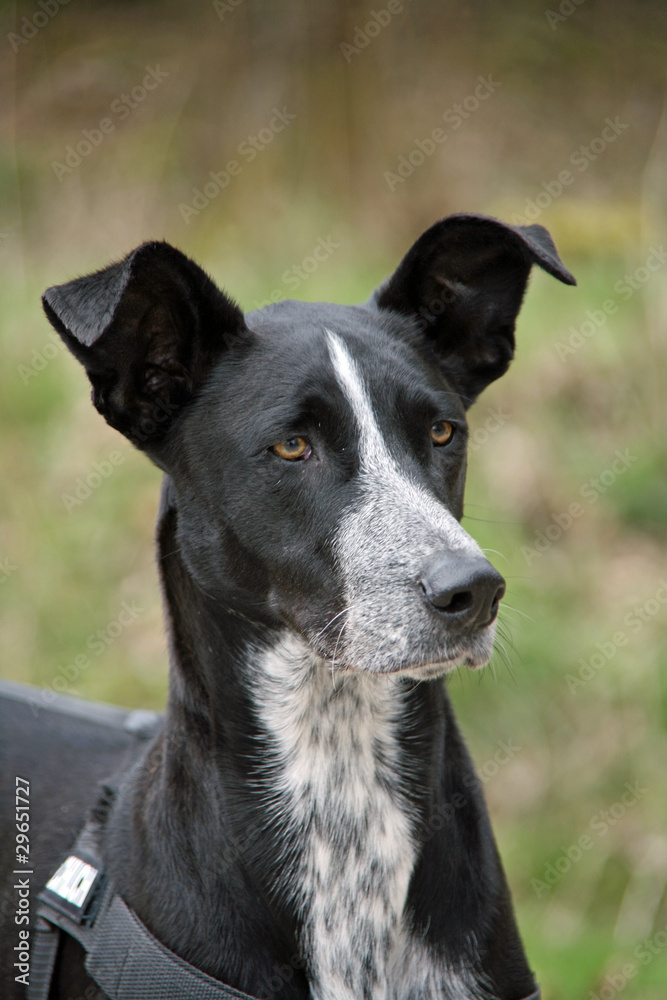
<point x="372" y="447"/>
<point x="378" y="466"/>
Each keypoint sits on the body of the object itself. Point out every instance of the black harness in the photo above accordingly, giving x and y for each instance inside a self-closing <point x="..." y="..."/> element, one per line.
<point x="122" y="956"/>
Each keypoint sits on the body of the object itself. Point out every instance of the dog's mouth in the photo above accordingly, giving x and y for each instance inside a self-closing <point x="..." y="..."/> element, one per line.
<point x="420" y="664"/>
<point x="438" y="668"/>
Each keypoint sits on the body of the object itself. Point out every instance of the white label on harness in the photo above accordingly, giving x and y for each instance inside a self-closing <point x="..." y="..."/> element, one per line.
<point x="73" y="881"/>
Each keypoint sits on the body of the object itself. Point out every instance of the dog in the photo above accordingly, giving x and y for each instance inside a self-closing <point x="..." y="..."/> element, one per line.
<point x="305" y="821"/>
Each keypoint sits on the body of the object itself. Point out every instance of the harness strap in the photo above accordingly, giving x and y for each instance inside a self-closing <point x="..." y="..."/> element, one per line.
<point x="42" y="960"/>
<point x="122" y="955"/>
<point x="125" y="951"/>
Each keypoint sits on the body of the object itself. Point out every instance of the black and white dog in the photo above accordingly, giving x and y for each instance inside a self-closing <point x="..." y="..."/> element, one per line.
<point x="306" y="822"/>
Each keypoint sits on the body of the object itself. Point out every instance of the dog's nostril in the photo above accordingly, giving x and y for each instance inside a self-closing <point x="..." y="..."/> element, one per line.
<point x="459" y="602"/>
<point x="495" y="603"/>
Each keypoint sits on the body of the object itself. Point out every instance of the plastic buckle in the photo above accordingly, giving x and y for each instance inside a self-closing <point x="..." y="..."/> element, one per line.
<point x="74" y="890"/>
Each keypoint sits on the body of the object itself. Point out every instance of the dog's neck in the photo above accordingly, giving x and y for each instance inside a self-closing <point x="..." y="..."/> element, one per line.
<point x="302" y="812"/>
<point x="314" y="786"/>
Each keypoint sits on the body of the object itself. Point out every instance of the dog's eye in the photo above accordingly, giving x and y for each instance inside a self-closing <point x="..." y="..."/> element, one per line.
<point x="293" y="448"/>
<point x="442" y="432"/>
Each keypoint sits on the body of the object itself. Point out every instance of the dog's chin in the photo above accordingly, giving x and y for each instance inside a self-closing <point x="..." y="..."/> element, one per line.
<point x="473" y="653"/>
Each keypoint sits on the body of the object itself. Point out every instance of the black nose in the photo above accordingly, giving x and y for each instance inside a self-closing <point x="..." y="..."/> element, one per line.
<point x="466" y="590"/>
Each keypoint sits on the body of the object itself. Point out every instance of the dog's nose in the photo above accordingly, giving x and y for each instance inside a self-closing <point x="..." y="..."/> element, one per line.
<point x="466" y="590"/>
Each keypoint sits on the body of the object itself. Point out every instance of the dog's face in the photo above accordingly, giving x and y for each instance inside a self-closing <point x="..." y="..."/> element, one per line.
<point x="316" y="478"/>
<point x="316" y="453"/>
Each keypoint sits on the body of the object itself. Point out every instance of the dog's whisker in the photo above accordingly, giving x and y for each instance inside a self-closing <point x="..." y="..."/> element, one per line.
<point x="172" y="552"/>
<point x="508" y="607"/>
<point x="333" y="660"/>
<point x="496" y="552"/>
<point x="330" y="623"/>
<point x="504" y="638"/>
<point x="504" y="627"/>
<point x="491" y="520"/>
<point x="501" y="650"/>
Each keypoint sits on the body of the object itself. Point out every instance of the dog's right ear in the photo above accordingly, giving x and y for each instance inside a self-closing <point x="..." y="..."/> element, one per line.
<point x="147" y="330"/>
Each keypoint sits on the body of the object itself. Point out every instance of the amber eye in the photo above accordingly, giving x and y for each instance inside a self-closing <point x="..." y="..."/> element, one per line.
<point x="442" y="432"/>
<point x="293" y="448"/>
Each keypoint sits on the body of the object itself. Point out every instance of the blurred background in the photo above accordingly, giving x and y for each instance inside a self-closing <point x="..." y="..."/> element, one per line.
<point x="251" y="134"/>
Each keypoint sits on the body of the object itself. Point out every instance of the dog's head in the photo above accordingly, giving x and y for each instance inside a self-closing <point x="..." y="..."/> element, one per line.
<point x="316" y="453"/>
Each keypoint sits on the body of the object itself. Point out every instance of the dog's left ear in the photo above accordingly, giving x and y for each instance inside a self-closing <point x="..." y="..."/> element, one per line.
<point x="463" y="282"/>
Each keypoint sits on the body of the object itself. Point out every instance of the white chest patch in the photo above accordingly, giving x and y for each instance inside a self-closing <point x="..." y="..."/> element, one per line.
<point x="336" y="786"/>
